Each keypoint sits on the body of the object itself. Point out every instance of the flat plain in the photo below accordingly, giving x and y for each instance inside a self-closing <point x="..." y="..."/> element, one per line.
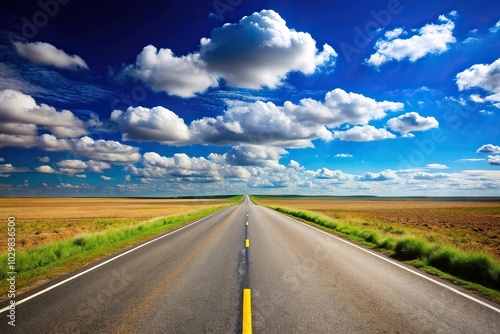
<point x="466" y="223"/>
<point x="41" y="221"/>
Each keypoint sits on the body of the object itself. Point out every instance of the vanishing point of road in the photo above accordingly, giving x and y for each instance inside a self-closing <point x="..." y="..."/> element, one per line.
<point x="250" y="269"/>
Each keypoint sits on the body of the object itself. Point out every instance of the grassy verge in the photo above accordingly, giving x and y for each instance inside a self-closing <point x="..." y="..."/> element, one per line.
<point x="50" y="261"/>
<point x="474" y="270"/>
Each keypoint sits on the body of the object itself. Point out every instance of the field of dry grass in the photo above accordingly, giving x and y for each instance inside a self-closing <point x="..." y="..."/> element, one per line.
<point x="41" y="221"/>
<point x="468" y="225"/>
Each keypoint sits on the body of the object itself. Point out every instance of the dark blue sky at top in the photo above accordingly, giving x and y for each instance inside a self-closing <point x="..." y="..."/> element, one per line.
<point x="109" y="35"/>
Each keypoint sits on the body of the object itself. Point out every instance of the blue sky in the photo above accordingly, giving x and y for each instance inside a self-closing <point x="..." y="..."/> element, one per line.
<point x="161" y="98"/>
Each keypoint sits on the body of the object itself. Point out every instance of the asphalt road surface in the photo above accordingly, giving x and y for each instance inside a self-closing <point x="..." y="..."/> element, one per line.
<point x="300" y="280"/>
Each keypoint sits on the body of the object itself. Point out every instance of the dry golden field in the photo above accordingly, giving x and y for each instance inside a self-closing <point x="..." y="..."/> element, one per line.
<point x="41" y="221"/>
<point x="469" y="225"/>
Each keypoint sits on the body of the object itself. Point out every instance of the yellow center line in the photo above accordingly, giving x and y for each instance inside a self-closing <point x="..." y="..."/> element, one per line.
<point x="247" y="243"/>
<point x="246" y="326"/>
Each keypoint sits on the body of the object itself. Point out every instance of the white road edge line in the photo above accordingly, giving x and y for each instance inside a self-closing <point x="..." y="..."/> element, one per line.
<point x="400" y="266"/>
<point x="105" y="262"/>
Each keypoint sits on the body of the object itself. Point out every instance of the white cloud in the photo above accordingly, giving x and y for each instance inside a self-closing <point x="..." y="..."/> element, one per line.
<point x="44" y="159"/>
<point x="23" y="111"/>
<point x="47" y="54"/>
<point x="486" y="112"/>
<point x="488" y="148"/>
<point x="97" y="166"/>
<point x="493" y="174"/>
<point x="327" y="174"/>
<point x="496" y="27"/>
<point x="179" y="166"/>
<point x="410" y="122"/>
<point x="16" y="140"/>
<point x="343" y="155"/>
<point x="437" y="166"/>
<point x="261" y="50"/>
<point x="485" y="76"/>
<point x="51" y="143"/>
<point x="257" y="123"/>
<point x="72" y="164"/>
<point x="258" y="51"/>
<point x="105" y="178"/>
<point x="18" y="129"/>
<point x="290" y="125"/>
<point x="71" y="167"/>
<point x="294" y="164"/>
<point x="161" y="70"/>
<point x="105" y="150"/>
<point x="341" y="107"/>
<point x="158" y="124"/>
<point x="430" y="176"/>
<point x="494" y="160"/>
<point x="9" y="168"/>
<point x="476" y="98"/>
<point x="430" y="39"/>
<point x="470" y="160"/>
<point x="45" y="169"/>
<point x="386" y="175"/>
<point x="251" y="155"/>
<point x="363" y="133"/>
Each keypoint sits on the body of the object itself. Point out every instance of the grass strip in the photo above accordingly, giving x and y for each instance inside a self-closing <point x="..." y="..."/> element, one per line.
<point x="50" y="261"/>
<point x="463" y="267"/>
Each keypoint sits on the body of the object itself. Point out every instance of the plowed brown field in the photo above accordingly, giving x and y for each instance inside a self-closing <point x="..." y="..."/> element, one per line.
<point x="467" y="224"/>
<point x="44" y="220"/>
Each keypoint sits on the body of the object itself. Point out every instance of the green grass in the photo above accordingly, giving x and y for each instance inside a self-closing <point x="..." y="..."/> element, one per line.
<point x="463" y="267"/>
<point x="47" y="261"/>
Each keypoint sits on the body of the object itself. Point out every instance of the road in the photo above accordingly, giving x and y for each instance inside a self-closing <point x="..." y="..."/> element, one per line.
<point x="300" y="280"/>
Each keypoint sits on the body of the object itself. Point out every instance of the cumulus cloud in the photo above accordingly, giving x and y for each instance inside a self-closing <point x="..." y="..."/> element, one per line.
<point x="343" y="155"/>
<point x="258" y="51"/>
<point x="97" y="166"/>
<point x="7" y="140"/>
<point x="51" y="143"/>
<point x="157" y="124"/>
<point x="328" y="174"/>
<point x="48" y="55"/>
<point x="484" y="76"/>
<point x="410" y="122"/>
<point x="9" y="168"/>
<point x="18" y="110"/>
<point x="494" y="160"/>
<point x="179" y="166"/>
<point x="258" y="123"/>
<point x="71" y="167"/>
<point x="162" y="71"/>
<point x="430" y="39"/>
<point x="105" y="150"/>
<point x="378" y="177"/>
<point x="44" y="159"/>
<point x="45" y="169"/>
<point x="289" y="125"/>
<point x="429" y="176"/>
<point x="341" y="107"/>
<point x="363" y="133"/>
<point x="105" y="178"/>
<point x="488" y="148"/>
<point x="251" y="155"/>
